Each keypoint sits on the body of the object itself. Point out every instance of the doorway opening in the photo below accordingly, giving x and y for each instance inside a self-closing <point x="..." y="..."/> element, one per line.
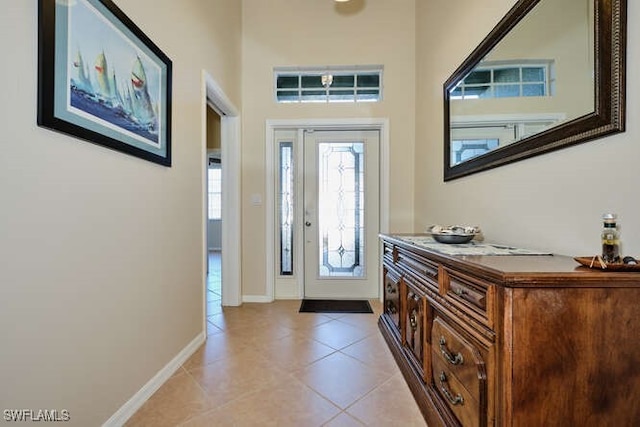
<point x="214" y="191"/>
<point x="229" y="149"/>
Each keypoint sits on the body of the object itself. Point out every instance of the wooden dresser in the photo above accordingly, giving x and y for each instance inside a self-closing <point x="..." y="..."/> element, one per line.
<point x="524" y="341"/>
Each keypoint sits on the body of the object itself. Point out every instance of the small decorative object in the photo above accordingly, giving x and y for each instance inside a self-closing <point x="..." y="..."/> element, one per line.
<point x="596" y="262"/>
<point x="610" y="239"/>
<point x="100" y="78"/>
<point x="454" y="234"/>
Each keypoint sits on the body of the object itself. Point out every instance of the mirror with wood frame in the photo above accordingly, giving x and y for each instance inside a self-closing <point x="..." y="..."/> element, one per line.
<point x="551" y="74"/>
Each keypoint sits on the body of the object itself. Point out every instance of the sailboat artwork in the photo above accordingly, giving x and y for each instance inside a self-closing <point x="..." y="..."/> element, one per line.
<point x="128" y="105"/>
<point x="109" y="79"/>
<point x="102" y="80"/>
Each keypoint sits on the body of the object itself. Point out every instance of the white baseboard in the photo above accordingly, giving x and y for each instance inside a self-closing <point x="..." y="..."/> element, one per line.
<point x="256" y="298"/>
<point x="127" y="410"/>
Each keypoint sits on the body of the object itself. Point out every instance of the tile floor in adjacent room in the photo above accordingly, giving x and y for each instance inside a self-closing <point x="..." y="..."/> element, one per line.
<point x="268" y="365"/>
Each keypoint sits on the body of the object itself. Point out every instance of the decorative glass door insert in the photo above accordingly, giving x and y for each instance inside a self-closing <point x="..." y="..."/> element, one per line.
<point x="340" y="208"/>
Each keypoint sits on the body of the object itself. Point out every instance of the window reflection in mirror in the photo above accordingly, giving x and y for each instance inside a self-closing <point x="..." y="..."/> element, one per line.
<point x="540" y="75"/>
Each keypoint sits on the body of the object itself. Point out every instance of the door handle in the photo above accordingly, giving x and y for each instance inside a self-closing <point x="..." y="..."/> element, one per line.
<point x="308" y="224"/>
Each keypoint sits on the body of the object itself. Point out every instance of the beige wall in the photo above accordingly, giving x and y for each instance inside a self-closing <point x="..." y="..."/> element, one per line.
<point x="308" y="33"/>
<point x="101" y="253"/>
<point x="552" y="202"/>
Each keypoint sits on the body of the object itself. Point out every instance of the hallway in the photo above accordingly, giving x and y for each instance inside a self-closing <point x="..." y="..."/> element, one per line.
<point x="268" y="365"/>
<point x="214" y="284"/>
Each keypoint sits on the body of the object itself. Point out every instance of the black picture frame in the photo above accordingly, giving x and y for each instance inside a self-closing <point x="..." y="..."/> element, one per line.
<point x="122" y="100"/>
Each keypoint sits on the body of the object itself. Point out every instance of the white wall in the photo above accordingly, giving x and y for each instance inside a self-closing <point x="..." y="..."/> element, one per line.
<point x="101" y="253"/>
<point x="551" y="202"/>
<point x="316" y="33"/>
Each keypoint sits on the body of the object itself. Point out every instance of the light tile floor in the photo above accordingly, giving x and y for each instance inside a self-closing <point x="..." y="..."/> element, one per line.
<point x="268" y="365"/>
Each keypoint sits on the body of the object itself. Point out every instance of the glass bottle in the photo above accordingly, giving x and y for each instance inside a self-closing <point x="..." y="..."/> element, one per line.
<point x="610" y="239"/>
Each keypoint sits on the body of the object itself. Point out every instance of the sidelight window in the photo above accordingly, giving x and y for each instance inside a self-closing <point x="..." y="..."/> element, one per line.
<point x="286" y="207"/>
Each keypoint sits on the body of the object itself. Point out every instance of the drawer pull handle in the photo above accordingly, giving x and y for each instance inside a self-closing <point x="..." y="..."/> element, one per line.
<point x="413" y="320"/>
<point x="391" y="307"/>
<point x="457" y="400"/>
<point x="390" y="289"/>
<point x="461" y="292"/>
<point x="454" y="360"/>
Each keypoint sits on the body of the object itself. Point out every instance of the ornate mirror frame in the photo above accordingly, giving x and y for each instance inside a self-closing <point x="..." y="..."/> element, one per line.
<point x="608" y="116"/>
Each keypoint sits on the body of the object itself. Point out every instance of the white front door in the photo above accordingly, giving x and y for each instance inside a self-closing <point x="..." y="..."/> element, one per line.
<point x="341" y="214"/>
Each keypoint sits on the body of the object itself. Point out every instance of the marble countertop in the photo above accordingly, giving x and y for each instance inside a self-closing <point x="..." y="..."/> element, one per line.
<point x="471" y="248"/>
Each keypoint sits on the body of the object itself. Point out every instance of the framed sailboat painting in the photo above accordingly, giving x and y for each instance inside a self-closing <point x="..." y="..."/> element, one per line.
<point x="101" y="79"/>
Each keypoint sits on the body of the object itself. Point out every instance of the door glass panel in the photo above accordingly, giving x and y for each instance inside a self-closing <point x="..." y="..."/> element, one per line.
<point x="341" y="209"/>
<point x="285" y="206"/>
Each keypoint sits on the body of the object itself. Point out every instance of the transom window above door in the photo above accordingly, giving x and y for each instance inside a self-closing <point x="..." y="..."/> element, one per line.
<point x="507" y="79"/>
<point x="328" y="84"/>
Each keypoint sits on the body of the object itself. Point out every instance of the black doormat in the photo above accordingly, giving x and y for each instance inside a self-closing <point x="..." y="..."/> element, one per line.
<point x="335" y="306"/>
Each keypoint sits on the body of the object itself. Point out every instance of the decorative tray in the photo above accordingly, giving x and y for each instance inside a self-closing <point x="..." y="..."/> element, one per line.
<point x="596" y="263"/>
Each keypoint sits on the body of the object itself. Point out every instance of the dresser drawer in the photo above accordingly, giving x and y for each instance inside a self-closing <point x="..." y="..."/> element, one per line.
<point x="460" y="357"/>
<point x="470" y="295"/>
<point x="392" y="297"/>
<point x="414" y="324"/>
<point x="419" y="268"/>
<point x="476" y="297"/>
<point x="452" y="392"/>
